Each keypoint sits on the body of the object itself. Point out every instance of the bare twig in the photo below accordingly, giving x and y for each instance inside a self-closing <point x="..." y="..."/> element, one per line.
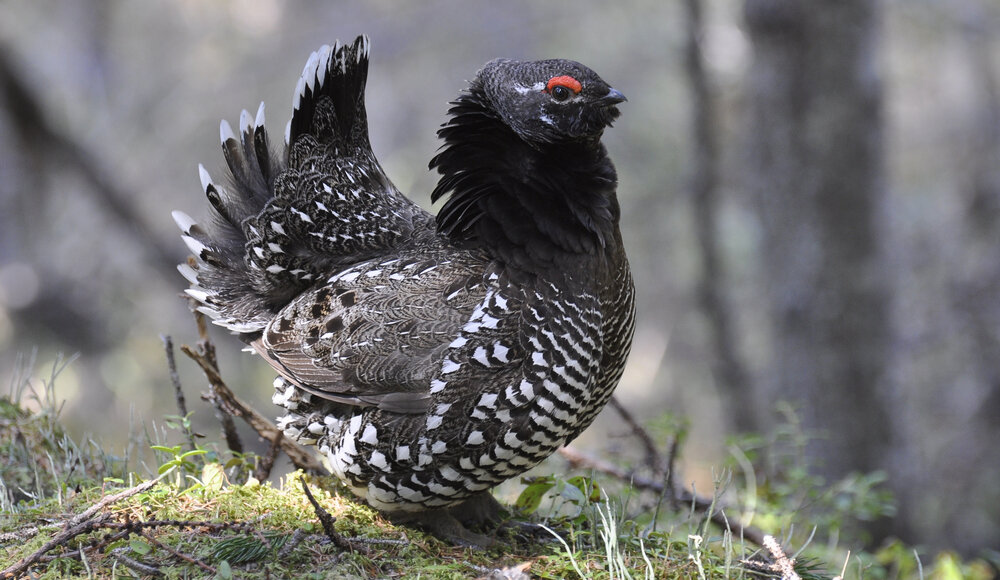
<point x="59" y="539"/>
<point x="295" y="540"/>
<point x="263" y="470"/>
<point x="175" y="379"/>
<point x="140" y="567"/>
<point x="115" y="498"/>
<point x="327" y="522"/>
<point x="671" y="488"/>
<point x="207" y="351"/>
<point x="301" y="458"/>
<point x="177" y="554"/>
<point x="653" y="458"/>
<point x="93" y="546"/>
<point x="782" y="564"/>
<point x="578" y="459"/>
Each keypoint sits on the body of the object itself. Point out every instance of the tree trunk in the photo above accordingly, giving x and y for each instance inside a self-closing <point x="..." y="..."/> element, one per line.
<point x="816" y="171"/>
<point x="727" y="367"/>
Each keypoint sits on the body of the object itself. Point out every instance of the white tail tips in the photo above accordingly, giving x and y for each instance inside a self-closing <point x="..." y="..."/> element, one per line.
<point x="226" y="132"/>
<point x="183" y="220"/>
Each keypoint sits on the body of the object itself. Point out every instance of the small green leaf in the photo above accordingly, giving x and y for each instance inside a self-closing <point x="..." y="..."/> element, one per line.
<point x="573" y="494"/>
<point x="171" y="450"/>
<point x="588" y="486"/>
<point x="193" y="452"/>
<point x="531" y="497"/>
<point x="140" y="547"/>
<point x="225" y="572"/>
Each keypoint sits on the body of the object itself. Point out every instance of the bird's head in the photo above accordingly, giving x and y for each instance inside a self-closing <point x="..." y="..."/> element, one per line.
<point x="549" y="101"/>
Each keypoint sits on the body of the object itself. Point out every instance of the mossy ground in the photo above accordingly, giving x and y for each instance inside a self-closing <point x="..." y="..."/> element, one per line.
<point x="195" y="522"/>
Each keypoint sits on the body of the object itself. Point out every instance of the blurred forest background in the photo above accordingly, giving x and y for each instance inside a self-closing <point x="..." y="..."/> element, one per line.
<point x="811" y="197"/>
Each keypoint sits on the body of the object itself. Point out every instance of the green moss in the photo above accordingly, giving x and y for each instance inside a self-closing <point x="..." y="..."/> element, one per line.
<point x="258" y="531"/>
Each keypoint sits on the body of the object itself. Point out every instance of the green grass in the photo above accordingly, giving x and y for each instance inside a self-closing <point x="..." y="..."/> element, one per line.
<point x="196" y="522"/>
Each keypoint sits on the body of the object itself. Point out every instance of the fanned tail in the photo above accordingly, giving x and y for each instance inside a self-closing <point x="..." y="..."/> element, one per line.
<point x="282" y="222"/>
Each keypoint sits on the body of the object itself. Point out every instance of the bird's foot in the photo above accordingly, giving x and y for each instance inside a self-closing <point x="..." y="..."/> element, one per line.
<point x="443" y="525"/>
<point x="479" y="512"/>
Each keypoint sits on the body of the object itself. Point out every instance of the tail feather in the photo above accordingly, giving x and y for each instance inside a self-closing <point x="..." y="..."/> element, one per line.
<point x="329" y="101"/>
<point x="252" y="168"/>
<point x="279" y="223"/>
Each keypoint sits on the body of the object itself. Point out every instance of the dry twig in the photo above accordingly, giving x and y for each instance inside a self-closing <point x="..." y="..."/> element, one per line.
<point x="301" y="458"/>
<point x="121" y="554"/>
<point x="327" y="522"/>
<point x="206" y="348"/>
<point x="653" y="458"/>
<point x="82" y="523"/>
<point x="267" y="462"/>
<point x="175" y="379"/>
<point x="782" y="564"/>
<point x="179" y="555"/>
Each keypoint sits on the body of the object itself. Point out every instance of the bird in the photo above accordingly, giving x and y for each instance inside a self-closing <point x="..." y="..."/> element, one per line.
<point x="428" y="357"/>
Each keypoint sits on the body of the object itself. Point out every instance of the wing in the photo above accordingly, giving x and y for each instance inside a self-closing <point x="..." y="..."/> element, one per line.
<point x="376" y="333"/>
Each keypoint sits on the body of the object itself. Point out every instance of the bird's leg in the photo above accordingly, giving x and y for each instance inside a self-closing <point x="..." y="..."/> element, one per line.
<point x="479" y="511"/>
<point x="444" y="526"/>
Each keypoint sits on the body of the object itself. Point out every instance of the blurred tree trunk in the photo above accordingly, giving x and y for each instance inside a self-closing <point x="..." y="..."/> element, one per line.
<point x="728" y="369"/>
<point x="975" y="461"/>
<point x="816" y="171"/>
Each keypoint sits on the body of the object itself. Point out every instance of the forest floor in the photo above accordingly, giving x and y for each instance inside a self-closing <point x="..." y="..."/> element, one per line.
<point x="69" y="509"/>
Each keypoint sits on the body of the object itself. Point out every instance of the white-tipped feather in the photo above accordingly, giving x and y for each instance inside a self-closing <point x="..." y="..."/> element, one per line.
<point x="189" y="273"/>
<point x="300" y="89"/>
<point x="194" y="245"/>
<point x="210" y="312"/>
<point x="198" y="294"/>
<point x="206" y="179"/>
<point x="323" y="64"/>
<point x="288" y="133"/>
<point x="183" y="220"/>
<point x="363" y="52"/>
<point x="259" y="120"/>
<point x="226" y="132"/>
<point x="246" y="122"/>
<point x="240" y="327"/>
<point x="309" y="71"/>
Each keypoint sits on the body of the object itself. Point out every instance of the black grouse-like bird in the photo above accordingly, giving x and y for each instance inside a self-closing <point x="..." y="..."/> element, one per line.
<point x="429" y="358"/>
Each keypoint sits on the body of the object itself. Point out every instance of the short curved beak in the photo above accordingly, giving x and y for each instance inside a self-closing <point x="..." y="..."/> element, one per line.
<point x="613" y="97"/>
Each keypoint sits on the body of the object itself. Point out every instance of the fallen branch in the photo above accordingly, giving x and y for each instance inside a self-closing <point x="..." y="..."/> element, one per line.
<point x="177" y="554"/>
<point x="82" y="523"/>
<point x="121" y="554"/>
<point x="580" y="460"/>
<point x="115" y="498"/>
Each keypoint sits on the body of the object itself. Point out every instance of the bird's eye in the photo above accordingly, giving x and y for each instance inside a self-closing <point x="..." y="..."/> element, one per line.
<point x="562" y="88"/>
<point x="561" y="93"/>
